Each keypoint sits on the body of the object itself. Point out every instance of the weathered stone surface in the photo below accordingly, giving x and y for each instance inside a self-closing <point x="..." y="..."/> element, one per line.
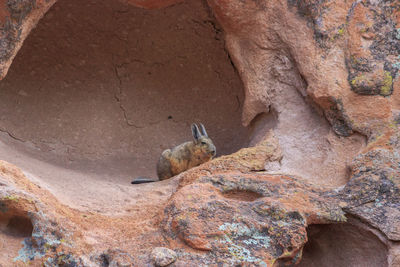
<point x="43" y="231"/>
<point x="317" y="36"/>
<point x="37" y="229"/>
<point x="163" y="256"/>
<point x="116" y="258"/>
<point x="246" y="160"/>
<point x="249" y="208"/>
<point x="373" y="192"/>
<point x="373" y="46"/>
<point x="247" y="219"/>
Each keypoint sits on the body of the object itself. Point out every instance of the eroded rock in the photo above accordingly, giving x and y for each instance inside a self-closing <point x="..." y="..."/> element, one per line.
<point x="373" y="192"/>
<point x="339" y="57"/>
<point x="116" y="258"/>
<point x="244" y="219"/>
<point x="30" y="222"/>
<point x="163" y="256"/>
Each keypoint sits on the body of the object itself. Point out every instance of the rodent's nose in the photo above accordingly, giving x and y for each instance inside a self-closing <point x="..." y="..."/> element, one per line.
<point x="213" y="152"/>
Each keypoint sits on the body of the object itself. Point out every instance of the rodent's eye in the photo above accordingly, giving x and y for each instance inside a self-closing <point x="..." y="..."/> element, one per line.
<point x="203" y="143"/>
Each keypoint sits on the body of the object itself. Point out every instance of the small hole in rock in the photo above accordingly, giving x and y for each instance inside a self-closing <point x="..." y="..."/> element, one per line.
<point x="19" y="226"/>
<point x="242" y="195"/>
<point x="15" y="227"/>
<point x="104" y="261"/>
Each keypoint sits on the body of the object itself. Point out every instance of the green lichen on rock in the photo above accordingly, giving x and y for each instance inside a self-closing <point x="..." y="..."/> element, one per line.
<point x="361" y="81"/>
<point x="341" y="30"/>
<point x="238" y="236"/>
<point x="387" y="87"/>
<point x="11" y="197"/>
<point x="5" y="201"/>
<point x="28" y="252"/>
<point x="372" y="67"/>
<point x="370" y="83"/>
<point x="314" y="12"/>
<point x="362" y="84"/>
<point x="63" y="259"/>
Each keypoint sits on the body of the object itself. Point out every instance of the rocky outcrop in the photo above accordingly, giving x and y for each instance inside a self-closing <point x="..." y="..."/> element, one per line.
<point x="253" y="219"/>
<point x="327" y="72"/>
<point x="319" y="39"/>
<point x="227" y="211"/>
<point x="373" y="191"/>
<point x="238" y="215"/>
<point x="28" y="219"/>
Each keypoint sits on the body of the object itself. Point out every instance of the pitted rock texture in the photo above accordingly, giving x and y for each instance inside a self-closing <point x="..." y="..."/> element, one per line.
<point x="373" y="193"/>
<point x="253" y="219"/>
<point x="116" y="258"/>
<point x="373" y="46"/>
<point x="163" y="256"/>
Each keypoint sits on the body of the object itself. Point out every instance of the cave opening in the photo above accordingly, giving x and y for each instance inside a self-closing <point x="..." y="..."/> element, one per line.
<point x="343" y="245"/>
<point x="15" y="227"/>
<point x="100" y="88"/>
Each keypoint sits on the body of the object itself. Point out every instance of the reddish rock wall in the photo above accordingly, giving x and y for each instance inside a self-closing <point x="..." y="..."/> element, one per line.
<point x="321" y="103"/>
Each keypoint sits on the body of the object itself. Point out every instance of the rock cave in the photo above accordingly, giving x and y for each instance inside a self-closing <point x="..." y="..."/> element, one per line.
<point x="307" y="149"/>
<point x="96" y="93"/>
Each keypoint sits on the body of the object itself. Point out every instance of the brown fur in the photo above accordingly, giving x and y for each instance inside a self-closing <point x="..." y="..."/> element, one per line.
<point x="183" y="157"/>
<point x="187" y="155"/>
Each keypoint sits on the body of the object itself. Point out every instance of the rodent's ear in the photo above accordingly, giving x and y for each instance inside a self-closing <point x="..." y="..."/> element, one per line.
<point x="203" y="130"/>
<point x="195" y="132"/>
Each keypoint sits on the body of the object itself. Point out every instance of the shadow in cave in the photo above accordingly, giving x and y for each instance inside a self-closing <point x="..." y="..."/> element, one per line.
<point x="342" y="245"/>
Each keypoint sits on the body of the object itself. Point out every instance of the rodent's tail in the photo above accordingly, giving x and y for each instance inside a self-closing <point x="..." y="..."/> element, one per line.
<point x="142" y="180"/>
